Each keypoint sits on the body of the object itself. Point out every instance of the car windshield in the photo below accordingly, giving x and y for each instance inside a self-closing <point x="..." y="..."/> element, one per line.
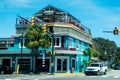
<point x="117" y="65"/>
<point x="94" y="65"/>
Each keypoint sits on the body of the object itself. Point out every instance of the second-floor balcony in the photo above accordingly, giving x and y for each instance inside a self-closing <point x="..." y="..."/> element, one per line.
<point x="21" y="24"/>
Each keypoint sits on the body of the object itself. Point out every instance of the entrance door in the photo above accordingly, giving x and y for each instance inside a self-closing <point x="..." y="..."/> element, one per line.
<point x="42" y="68"/>
<point x="61" y="65"/>
<point x="24" y="65"/>
<point x="6" y="62"/>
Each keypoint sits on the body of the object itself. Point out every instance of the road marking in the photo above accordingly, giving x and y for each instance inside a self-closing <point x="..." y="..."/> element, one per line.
<point x="105" y="76"/>
<point x="116" y="76"/>
<point x="9" y="79"/>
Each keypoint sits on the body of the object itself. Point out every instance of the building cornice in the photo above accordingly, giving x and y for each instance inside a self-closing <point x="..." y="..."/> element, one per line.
<point x="67" y="25"/>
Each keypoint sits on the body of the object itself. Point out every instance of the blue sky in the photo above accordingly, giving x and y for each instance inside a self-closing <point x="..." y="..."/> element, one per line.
<point x="98" y="15"/>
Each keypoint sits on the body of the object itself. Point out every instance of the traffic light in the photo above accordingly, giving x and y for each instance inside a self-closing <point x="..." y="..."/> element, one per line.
<point x="45" y="27"/>
<point x="116" y="31"/>
<point x="54" y="53"/>
<point x="32" y="21"/>
<point x="50" y="53"/>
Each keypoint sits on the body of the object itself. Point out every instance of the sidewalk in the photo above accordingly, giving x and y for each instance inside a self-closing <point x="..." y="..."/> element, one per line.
<point x="69" y="74"/>
<point x="55" y="74"/>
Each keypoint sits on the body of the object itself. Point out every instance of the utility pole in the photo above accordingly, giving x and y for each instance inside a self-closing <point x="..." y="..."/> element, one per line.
<point x="21" y="45"/>
<point x="52" y="56"/>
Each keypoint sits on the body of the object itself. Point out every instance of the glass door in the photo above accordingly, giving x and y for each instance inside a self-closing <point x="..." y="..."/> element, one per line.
<point x="64" y="61"/>
<point x="61" y="65"/>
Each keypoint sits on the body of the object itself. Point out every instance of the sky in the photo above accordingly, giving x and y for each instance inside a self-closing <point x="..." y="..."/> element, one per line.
<point x="97" y="15"/>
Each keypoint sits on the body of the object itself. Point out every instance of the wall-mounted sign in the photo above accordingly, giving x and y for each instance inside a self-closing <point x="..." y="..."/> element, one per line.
<point x="43" y="52"/>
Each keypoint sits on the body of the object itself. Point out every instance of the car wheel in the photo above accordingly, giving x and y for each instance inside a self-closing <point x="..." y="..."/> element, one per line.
<point x="2" y="72"/>
<point x="98" y="73"/>
<point x="105" y="72"/>
<point x="86" y="74"/>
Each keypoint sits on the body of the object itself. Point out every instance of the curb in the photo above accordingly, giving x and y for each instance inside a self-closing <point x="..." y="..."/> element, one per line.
<point x="69" y="74"/>
<point x="55" y="74"/>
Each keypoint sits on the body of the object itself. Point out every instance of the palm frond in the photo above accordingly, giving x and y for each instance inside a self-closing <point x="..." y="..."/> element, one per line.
<point x="37" y="38"/>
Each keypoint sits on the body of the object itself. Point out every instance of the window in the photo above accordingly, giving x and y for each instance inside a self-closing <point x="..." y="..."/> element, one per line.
<point x="73" y="63"/>
<point x="56" y="41"/>
<point x="82" y="46"/>
<point x="77" y="44"/>
<point x="70" y="41"/>
<point x="23" y="46"/>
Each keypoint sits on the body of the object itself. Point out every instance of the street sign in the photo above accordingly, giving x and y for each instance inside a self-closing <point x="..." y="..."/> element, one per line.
<point x="43" y="52"/>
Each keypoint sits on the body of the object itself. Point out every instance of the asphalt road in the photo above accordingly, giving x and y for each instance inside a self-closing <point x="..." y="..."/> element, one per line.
<point x="111" y="75"/>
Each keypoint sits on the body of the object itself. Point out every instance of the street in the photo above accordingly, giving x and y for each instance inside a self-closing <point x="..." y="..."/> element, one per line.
<point x="111" y="75"/>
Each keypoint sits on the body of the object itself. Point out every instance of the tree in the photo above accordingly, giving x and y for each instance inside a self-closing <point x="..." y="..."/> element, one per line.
<point x="117" y="56"/>
<point x="36" y="38"/>
<point x="91" y="53"/>
<point x="105" y="47"/>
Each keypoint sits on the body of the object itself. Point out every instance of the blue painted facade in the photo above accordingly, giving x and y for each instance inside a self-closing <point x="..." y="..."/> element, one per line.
<point x="72" y="45"/>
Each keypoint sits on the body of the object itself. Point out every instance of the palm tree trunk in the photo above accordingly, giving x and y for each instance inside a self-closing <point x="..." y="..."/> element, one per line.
<point x="36" y="61"/>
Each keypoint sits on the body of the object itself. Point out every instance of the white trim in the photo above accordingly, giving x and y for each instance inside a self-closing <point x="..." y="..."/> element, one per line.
<point x="22" y="46"/>
<point x="55" y="42"/>
<point x="67" y="52"/>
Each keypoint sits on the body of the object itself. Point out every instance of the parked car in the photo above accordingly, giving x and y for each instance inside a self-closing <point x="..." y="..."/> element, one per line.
<point x="6" y="69"/>
<point x="96" y="68"/>
<point x="117" y="66"/>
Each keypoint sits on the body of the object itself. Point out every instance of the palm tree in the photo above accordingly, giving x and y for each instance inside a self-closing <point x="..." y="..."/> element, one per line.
<point x="36" y="38"/>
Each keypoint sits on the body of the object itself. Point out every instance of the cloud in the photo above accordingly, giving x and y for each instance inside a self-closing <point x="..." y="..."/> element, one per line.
<point x="96" y="14"/>
<point x="17" y="3"/>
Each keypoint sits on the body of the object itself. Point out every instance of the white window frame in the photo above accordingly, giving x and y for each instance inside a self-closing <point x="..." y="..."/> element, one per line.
<point x="55" y="38"/>
<point x="23" y="44"/>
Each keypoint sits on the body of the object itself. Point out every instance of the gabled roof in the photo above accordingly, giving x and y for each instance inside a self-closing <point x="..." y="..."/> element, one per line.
<point x="50" y="8"/>
<point x="56" y="14"/>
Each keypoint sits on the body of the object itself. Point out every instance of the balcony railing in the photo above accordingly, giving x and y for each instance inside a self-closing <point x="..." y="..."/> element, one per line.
<point x="5" y="43"/>
<point x="22" y="23"/>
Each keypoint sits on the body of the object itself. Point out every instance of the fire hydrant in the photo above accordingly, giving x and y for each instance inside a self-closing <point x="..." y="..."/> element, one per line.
<point x="72" y="70"/>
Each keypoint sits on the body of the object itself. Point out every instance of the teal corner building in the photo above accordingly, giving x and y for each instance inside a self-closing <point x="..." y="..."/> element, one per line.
<point x="71" y="38"/>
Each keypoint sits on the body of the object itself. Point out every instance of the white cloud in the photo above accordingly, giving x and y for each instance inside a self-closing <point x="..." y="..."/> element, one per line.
<point x="17" y="3"/>
<point x="95" y="13"/>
